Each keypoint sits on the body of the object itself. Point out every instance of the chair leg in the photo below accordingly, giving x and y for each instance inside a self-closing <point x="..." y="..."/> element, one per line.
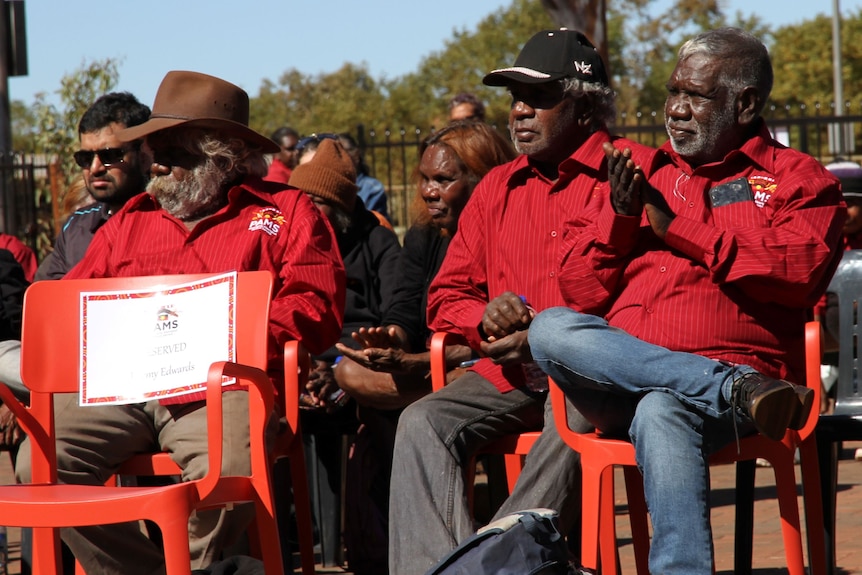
<point x="590" y="514"/>
<point x="812" y="499"/>
<point x="827" y="455"/>
<point x="608" y="554"/>
<point x="268" y="541"/>
<point x="176" y="536"/>
<point x="638" y="518"/>
<point x="785" y="482"/>
<point x="744" y="535"/>
<point x="302" y="506"/>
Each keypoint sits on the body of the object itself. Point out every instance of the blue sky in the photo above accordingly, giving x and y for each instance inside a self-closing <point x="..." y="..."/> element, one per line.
<point x="245" y="42"/>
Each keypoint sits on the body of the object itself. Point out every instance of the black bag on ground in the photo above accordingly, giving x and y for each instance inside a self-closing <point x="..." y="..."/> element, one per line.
<point x="523" y="543"/>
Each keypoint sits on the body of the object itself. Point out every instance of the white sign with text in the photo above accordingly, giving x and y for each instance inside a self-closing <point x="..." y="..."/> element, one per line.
<point x="140" y="345"/>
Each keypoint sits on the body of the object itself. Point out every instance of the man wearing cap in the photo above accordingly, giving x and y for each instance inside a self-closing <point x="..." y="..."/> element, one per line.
<point x="207" y="210"/>
<point x="502" y="265"/>
<point x="720" y="259"/>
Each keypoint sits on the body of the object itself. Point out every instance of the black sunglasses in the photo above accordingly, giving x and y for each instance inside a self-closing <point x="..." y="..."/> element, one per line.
<point x="108" y="156"/>
<point x="316" y="138"/>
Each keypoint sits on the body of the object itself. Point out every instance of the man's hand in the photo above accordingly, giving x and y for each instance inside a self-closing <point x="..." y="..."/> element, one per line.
<point x="388" y="359"/>
<point x="10" y="433"/>
<point x="321" y="384"/>
<point x="625" y="179"/>
<point x="514" y="348"/>
<point x="505" y="315"/>
<point x="658" y="212"/>
<point x="381" y="337"/>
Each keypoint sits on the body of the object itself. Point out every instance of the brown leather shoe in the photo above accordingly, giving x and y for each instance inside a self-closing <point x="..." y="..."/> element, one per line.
<point x="773" y="405"/>
<point x="805" y="396"/>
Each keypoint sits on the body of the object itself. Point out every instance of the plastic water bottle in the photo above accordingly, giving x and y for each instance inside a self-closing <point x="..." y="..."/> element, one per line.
<point x="4" y="551"/>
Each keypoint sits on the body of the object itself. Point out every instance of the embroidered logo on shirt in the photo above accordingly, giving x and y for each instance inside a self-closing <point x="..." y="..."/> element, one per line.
<point x="763" y="188"/>
<point x="268" y="220"/>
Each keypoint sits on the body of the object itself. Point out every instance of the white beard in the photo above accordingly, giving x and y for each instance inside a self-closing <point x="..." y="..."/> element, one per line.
<point x="200" y="193"/>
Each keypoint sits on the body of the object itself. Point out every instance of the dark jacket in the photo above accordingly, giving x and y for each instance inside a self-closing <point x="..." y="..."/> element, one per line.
<point x="370" y="254"/>
<point x="73" y="241"/>
<point x="12" y="288"/>
<point x="421" y="256"/>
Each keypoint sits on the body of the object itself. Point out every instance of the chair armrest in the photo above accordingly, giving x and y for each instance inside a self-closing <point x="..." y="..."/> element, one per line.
<point x="297" y="364"/>
<point x="439" y="341"/>
<point x="261" y="405"/>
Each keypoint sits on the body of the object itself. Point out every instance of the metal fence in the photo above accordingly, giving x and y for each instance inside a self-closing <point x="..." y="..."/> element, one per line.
<point x="28" y="195"/>
<point x="392" y="154"/>
<point x="23" y="179"/>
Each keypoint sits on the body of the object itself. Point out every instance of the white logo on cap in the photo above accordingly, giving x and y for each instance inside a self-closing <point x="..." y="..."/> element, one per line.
<point x="584" y="68"/>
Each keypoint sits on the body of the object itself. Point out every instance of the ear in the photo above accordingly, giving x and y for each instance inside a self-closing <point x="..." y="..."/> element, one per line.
<point x="748" y="105"/>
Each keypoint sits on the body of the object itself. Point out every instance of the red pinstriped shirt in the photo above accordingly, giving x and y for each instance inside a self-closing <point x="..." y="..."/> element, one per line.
<point x="510" y="237"/>
<point x="265" y="226"/>
<point x="734" y="283"/>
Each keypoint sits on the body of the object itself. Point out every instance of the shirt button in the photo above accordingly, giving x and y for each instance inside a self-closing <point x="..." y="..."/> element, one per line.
<point x="552" y="274"/>
<point x="691" y="204"/>
<point x="649" y="310"/>
<point x="554" y="234"/>
<point x="663" y="269"/>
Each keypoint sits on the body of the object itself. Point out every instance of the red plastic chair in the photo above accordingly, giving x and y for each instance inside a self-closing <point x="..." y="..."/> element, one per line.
<point x="599" y="455"/>
<point x="51" y="322"/>
<point x="514" y="448"/>
<point x="288" y="444"/>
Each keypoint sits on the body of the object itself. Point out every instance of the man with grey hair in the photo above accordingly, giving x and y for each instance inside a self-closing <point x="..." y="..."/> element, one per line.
<point x="206" y="210"/>
<point x="499" y="268"/>
<point x="717" y="259"/>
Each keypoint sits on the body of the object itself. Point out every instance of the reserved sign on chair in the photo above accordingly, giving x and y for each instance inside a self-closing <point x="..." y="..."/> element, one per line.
<point x="155" y="343"/>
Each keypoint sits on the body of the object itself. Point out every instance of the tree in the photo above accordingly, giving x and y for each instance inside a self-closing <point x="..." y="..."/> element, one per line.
<point x="52" y="131"/>
<point x="56" y="133"/>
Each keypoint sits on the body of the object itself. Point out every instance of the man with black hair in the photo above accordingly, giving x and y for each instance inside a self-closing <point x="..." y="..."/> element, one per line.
<point x="283" y="162"/>
<point x="113" y="172"/>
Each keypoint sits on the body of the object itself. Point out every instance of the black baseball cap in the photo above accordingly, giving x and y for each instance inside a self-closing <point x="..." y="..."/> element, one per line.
<point x="551" y="55"/>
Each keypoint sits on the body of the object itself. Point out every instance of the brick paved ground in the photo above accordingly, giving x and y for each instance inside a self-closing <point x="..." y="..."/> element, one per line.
<point x="768" y="546"/>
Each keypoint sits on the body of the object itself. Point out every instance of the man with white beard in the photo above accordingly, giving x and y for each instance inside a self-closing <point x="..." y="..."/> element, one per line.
<point x="207" y="210"/>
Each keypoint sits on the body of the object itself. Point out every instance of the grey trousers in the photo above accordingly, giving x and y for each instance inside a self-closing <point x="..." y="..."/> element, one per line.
<point x="438" y="435"/>
<point x="93" y="441"/>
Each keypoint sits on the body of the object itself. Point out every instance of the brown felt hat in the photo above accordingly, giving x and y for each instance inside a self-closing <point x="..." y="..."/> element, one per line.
<point x="330" y="174"/>
<point x="196" y="100"/>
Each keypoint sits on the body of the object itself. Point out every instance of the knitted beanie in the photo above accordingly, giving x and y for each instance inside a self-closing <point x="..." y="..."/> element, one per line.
<point x="330" y="174"/>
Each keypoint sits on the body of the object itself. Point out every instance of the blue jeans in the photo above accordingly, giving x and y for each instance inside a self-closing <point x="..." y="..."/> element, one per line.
<point x="675" y="408"/>
<point x="438" y="436"/>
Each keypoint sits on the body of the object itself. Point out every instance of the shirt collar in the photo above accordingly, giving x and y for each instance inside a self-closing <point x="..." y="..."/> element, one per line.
<point x="588" y="157"/>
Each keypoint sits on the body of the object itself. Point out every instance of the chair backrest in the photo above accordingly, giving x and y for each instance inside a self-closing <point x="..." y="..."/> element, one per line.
<point x="847" y="285"/>
<point x="51" y="330"/>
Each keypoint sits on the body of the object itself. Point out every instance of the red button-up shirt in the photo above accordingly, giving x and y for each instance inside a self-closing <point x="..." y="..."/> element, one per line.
<point x="278" y="172"/>
<point x="265" y="226"/>
<point x="734" y="283"/>
<point x="509" y="238"/>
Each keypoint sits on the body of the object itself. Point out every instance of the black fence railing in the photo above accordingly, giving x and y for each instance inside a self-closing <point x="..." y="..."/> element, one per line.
<point x="22" y="176"/>
<point x="392" y="154"/>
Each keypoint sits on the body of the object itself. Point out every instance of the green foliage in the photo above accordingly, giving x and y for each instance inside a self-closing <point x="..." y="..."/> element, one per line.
<point x="51" y="132"/>
<point x="56" y="135"/>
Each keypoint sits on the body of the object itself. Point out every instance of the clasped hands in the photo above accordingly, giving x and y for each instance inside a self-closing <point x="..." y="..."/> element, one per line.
<point x="504" y="325"/>
<point x="631" y="194"/>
